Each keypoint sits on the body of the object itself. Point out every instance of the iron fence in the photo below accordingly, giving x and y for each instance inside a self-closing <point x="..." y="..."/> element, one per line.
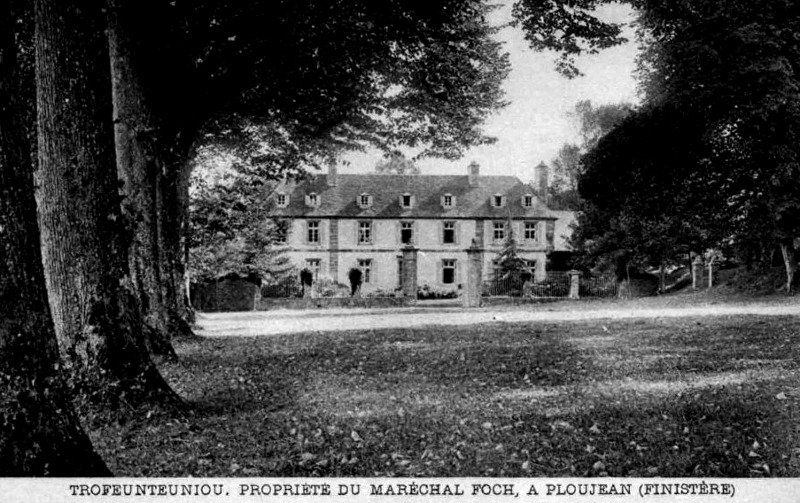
<point x="292" y="287"/>
<point x="556" y="284"/>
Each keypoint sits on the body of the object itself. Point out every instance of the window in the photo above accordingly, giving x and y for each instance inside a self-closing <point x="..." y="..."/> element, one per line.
<point x="448" y="271"/>
<point x="364" y="200"/>
<point x="497" y="200"/>
<point x="531" y="266"/>
<point x="449" y="233"/>
<point x="407" y="233"/>
<point x="530" y="231"/>
<point x="527" y="201"/>
<point x="406" y="200"/>
<point x="366" y="270"/>
<point x="400" y="271"/>
<point x="312" y="199"/>
<point x="448" y="201"/>
<point x="313" y="231"/>
<point x="499" y="231"/>
<point x="314" y="265"/>
<point x="282" y="200"/>
<point x="364" y="233"/>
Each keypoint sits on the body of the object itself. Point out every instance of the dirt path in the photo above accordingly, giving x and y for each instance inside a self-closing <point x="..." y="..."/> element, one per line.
<point x="249" y="324"/>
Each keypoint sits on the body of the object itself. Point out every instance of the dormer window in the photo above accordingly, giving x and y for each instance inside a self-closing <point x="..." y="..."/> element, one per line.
<point x="282" y="200"/>
<point x="406" y="200"/>
<point x="497" y="201"/>
<point x="364" y="200"/>
<point x="527" y="201"/>
<point x="312" y="199"/>
<point x="448" y="201"/>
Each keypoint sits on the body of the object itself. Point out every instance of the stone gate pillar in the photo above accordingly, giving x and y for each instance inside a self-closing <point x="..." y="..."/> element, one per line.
<point x="697" y="272"/>
<point x="409" y="277"/>
<point x="574" y="284"/>
<point x="472" y="294"/>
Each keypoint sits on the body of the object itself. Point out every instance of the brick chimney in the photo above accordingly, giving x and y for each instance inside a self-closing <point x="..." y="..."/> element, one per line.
<point x="473" y="170"/>
<point x="541" y="173"/>
<point x="332" y="175"/>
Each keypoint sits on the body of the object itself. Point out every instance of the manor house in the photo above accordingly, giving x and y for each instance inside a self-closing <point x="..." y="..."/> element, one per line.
<point x="336" y="222"/>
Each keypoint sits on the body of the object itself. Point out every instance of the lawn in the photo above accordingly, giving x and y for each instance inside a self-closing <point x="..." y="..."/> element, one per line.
<point x="699" y="397"/>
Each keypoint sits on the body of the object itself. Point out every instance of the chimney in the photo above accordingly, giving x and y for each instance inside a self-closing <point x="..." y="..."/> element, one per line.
<point x="473" y="170"/>
<point x="332" y="175"/>
<point x="541" y="172"/>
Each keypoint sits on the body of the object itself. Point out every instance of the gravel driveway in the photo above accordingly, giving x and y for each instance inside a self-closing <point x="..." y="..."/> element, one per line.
<point x="276" y="322"/>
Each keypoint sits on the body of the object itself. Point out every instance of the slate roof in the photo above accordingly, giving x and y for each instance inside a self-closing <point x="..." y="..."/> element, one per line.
<point x="427" y="190"/>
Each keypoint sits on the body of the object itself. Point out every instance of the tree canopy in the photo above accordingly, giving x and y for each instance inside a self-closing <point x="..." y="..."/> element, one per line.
<point x="723" y="76"/>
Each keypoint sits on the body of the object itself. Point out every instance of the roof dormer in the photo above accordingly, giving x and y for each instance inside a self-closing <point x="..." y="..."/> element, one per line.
<point x="364" y="200"/>
<point x="448" y="201"/>
<point x="282" y="200"/>
<point x="312" y="200"/>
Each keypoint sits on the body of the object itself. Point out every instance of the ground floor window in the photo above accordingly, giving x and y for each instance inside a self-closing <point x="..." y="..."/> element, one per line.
<point x="400" y="271"/>
<point x="366" y="270"/>
<point x="314" y="265"/>
<point x="448" y="271"/>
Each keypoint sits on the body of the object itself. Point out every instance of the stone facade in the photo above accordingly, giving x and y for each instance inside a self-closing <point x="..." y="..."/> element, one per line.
<point x="338" y="222"/>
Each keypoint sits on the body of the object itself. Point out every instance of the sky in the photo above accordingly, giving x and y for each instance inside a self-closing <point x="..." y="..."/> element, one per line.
<point x="537" y="120"/>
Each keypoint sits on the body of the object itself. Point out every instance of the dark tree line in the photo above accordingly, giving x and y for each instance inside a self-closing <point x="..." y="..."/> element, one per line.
<point x="711" y="158"/>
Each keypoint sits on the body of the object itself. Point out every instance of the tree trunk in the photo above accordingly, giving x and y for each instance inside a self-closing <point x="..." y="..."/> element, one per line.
<point x="790" y="261"/>
<point x="84" y="237"/>
<point x="41" y="434"/>
<point x="151" y="153"/>
<point x="138" y="137"/>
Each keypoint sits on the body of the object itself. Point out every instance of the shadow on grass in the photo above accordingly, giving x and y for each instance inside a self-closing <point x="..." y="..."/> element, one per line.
<point x="570" y="399"/>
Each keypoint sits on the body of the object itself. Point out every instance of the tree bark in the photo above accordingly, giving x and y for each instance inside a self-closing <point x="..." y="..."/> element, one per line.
<point x="84" y="237"/>
<point x="151" y="152"/>
<point x="41" y="434"/>
<point x="790" y="261"/>
<point x="138" y="136"/>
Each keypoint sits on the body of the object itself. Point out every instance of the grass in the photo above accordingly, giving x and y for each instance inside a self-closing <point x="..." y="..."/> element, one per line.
<point x="675" y="397"/>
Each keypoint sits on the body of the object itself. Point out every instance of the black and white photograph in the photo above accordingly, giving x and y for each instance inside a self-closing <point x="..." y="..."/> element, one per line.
<point x="373" y="250"/>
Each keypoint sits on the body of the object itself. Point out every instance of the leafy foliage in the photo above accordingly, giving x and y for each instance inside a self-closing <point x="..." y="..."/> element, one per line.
<point x="732" y="63"/>
<point x="397" y="164"/>
<point x="594" y="121"/>
<point x="232" y="232"/>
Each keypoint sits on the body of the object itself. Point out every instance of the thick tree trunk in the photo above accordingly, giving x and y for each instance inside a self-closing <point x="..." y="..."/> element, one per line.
<point x="84" y="244"/>
<point x="790" y="261"/>
<point x="139" y="137"/>
<point x="150" y="156"/>
<point x="40" y="434"/>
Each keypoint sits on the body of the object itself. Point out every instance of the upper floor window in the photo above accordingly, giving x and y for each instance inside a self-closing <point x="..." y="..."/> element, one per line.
<point x="497" y="200"/>
<point x="449" y="233"/>
<point x="312" y="234"/>
<point x="406" y="200"/>
<point x="312" y="199"/>
<point x="527" y="201"/>
<point x="529" y="233"/>
<point x="407" y="233"/>
<point x="364" y="200"/>
<point x="282" y="200"/>
<point x="499" y="231"/>
<point x="364" y="232"/>
<point x="448" y="201"/>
